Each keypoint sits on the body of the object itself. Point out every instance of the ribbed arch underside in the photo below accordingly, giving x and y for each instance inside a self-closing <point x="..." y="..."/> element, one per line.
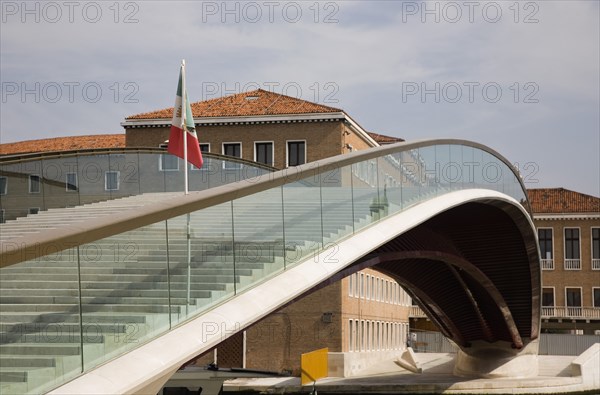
<point x="474" y="271"/>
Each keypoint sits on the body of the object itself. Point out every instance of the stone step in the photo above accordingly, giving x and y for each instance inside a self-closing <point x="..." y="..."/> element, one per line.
<point x="115" y="307"/>
<point x="49" y="337"/>
<point x="63" y="327"/>
<point x="40" y="349"/>
<point x="34" y="362"/>
<point x="134" y="278"/>
<point x="110" y="285"/>
<point x="64" y="317"/>
<point x="55" y="295"/>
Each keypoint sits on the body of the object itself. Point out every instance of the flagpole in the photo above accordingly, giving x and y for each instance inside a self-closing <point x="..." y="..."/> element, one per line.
<point x="183" y="127"/>
<point x="185" y="181"/>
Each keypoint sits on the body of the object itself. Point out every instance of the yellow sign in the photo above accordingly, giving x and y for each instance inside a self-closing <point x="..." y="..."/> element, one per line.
<point x="313" y="365"/>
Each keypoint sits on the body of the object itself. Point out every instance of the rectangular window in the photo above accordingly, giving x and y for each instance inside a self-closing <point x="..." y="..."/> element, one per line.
<point x="368" y="287"/>
<point x="71" y="182"/>
<point x="205" y="147"/>
<point x="232" y="149"/>
<point x="168" y="162"/>
<point x="235" y="150"/>
<point x="546" y="248"/>
<point x="3" y="185"/>
<point x="350" y="336"/>
<point x="2" y="216"/>
<point x="362" y="335"/>
<point x="296" y="153"/>
<point x="372" y="287"/>
<point x="34" y="210"/>
<point x="596" y="297"/>
<point x="263" y="153"/>
<point x="573" y="296"/>
<point x="547" y="297"/>
<point x="572" y="251"/>
<point x="362" y="285"/>
<point x="356" y="336"/>
<point x="34" y="183"/>
<point x="350" y="285"/>
<point x="595" y="248"/>
<point x="111" y="180"/>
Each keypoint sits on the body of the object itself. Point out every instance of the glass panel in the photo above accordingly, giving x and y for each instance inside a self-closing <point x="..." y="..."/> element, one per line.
<point x="454" y="171"/>
<point x="445" y="173"/>
<point x="410" y="168"/>
<point x="124" y="291"/>
<point x="202" y="270"/>
<point x="336" y="193"/>
<point x="258" y="232"/>
<point x="40" y="336"/>
<point x="365" y="193"/>
<point x="303" y="217"/>
<point x="468" y="167"/>
<point x="151" y="180"/>
<point x="430" y="172"/>
<point x="91" y="171"/>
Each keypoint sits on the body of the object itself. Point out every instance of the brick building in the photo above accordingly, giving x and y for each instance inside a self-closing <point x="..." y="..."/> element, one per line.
<point x="568" y="225"/>
<point x="261" y="126"/>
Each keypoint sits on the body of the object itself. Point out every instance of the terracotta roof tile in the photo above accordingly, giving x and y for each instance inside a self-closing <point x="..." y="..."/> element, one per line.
<point x="560" y="200"/>
<point x="64" y="144"/>
<point x="257" y="102"/>
<point x="383" y="139"/>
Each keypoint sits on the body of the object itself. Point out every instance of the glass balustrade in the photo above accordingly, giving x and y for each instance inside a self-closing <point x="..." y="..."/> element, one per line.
<point x="67" y="312"/>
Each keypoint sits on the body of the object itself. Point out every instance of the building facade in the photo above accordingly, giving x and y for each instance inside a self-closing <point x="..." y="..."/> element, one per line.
<point x="261" y="126"/>
<point x="568" y="225"/>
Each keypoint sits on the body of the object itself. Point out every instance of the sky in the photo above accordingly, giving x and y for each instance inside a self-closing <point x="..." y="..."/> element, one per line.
<point x="521" y="77"/>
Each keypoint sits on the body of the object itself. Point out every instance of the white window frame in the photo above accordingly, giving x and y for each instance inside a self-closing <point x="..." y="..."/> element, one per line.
<point x="547" y="264"/>
<point x="67" y="182"/>
<point x="350" y="285"/>
<point x="4" y="191"/>
<point x="593" y="289"/>
<point x="272" y="151"/>
<point x="39" y="183"/>
<point x="368" y="287"/>
<point x="567" y="307"/>
<point x="203" y="168"/>
<point x="287" y="151"/>
<point x="160" y="162"/>
<point x="564" y="237"/>
<point x="118" y="173"/>
<point x="595" y="262"/>
<point x="549" y="309"/>
<point x="238" y="165"/>
<point x="350" y="336"/>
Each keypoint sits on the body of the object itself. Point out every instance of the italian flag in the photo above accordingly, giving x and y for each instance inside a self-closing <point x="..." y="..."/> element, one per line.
<point x="187" y="127"/>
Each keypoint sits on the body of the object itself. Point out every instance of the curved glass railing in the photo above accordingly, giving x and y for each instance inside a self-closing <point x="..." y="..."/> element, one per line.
<point x="67" y="312"/>
<point x="38" y="182"/>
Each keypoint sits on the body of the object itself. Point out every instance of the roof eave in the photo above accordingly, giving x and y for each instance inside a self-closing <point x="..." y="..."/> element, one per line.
<point x="240" y="119"/>
<point x="360" y="131"/>
<point x="582" y="215"/>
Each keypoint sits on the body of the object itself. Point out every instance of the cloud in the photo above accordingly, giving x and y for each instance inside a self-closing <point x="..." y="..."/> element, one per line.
<point x="362" y="61"/>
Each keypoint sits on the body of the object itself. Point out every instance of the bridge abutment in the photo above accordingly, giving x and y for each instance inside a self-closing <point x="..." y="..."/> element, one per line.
<point x="497" y="360"/>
